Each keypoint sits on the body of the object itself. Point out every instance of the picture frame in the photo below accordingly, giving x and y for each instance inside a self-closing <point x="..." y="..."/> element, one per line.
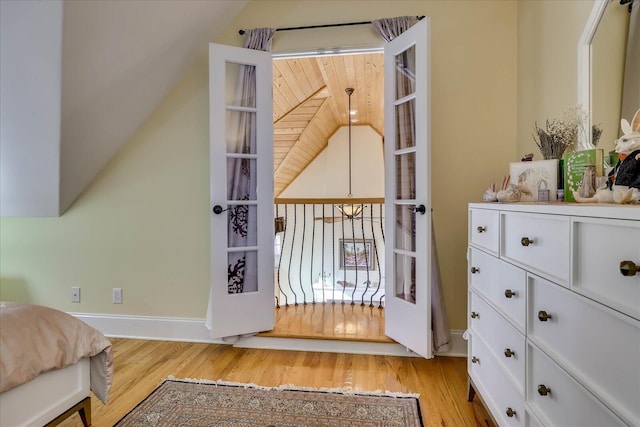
<point x="535" y="175"/>
<point x="357" y="254"/>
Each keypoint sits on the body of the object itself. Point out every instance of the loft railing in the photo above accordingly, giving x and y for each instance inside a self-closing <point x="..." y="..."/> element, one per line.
<point x="329" y="251"/>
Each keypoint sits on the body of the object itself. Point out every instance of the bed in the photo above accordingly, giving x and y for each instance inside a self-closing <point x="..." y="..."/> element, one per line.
<point x="49" y="363"/>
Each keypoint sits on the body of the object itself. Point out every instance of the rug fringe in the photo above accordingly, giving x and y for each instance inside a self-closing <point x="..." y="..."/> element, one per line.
<point x="293" y="387"/>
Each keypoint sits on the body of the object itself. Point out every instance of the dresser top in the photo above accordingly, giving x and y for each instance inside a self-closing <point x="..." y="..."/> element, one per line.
<point x="599" y="210"/>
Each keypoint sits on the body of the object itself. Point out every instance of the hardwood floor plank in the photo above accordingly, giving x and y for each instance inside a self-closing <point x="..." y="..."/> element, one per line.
<point x="141" y="365"/>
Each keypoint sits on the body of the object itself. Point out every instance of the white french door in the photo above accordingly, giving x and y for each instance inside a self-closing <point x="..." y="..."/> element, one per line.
<point x="407" y="190"/>
<point x="407" y="193"/>
<point x="241" y="191"/>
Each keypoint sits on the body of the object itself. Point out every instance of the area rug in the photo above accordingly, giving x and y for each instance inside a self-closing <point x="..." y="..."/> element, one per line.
<point x="198" y="403"/>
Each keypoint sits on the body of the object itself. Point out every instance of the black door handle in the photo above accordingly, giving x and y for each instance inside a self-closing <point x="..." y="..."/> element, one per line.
<point x="217" y="209"/>
<point x="421" y="209"/>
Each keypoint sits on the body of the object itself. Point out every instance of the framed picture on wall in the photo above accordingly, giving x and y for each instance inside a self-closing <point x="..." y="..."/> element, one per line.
<point x="357" y="254"/>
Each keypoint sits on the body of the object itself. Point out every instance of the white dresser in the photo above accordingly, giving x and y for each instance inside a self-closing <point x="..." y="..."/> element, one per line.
<point x="554" y="313"/>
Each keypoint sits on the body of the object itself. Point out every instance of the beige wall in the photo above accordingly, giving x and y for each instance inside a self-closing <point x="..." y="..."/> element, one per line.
<point x="143" y="224"/>
<point x="548" y="34"/>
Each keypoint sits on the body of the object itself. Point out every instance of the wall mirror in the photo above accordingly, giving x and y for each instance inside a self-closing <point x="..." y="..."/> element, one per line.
<point x="602" y="53"/>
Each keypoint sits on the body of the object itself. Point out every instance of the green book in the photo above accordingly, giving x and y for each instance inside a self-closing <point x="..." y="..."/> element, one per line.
<point x="574" y="165"/>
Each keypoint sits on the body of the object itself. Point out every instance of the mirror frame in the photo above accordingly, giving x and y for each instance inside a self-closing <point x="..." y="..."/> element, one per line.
<point x="585" y="94"/>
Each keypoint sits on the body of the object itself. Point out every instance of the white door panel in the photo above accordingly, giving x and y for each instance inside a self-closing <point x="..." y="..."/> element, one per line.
<point x="241" y="190"/>
<point x="407" y="190"/>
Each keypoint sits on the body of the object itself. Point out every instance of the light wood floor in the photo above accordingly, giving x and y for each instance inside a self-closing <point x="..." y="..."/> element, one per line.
<point x="330" y="321"/>
<point x="141" y="365"/>
<point x="441" y="382"/>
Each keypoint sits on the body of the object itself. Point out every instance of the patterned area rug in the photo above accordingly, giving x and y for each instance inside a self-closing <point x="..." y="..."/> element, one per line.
<point x="204" y="404"/>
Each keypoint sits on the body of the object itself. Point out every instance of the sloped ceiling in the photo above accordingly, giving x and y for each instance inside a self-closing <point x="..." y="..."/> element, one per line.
<point x="310" y="104"/>
<point x="119" y="60"/>
<point x="85" y="75"/>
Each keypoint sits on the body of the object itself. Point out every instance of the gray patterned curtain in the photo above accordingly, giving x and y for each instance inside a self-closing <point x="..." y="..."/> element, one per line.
<point x="388" y="29"/>
<point x="241" y="173"/>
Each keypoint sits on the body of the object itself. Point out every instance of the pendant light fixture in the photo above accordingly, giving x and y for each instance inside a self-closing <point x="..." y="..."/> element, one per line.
<point x="351" y="210"/>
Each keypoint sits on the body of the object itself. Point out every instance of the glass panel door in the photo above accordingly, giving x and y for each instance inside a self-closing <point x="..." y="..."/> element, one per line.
<point x="242" y="294"/>
<point x="407" y="194"/>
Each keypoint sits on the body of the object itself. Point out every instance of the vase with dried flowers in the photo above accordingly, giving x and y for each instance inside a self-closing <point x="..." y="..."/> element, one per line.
<point x="559" y="135"/>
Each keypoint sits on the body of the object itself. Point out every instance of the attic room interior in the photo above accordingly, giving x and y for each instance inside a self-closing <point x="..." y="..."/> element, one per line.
<point x="186" y="183"/>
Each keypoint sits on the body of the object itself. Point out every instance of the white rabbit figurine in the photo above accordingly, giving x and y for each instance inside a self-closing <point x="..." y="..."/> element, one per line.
<point x="623" y="184"/>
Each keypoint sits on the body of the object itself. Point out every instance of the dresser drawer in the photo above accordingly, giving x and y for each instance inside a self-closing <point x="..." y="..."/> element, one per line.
<point x="531" y="420"/>
<point x="594" y="343"/>
<point x="558" y="399"/>
<point x="484" y="229"/>
<point x="599" y="248"/>
<point x="539" y="243"/>
<point x="496" y="389"/>
<point x="503" y="340"/>
<point x="501" y="283"/>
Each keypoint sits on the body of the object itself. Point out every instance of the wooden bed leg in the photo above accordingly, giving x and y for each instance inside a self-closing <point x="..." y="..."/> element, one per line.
<point x="83" y="408"/>
<point x="85" y="412"/>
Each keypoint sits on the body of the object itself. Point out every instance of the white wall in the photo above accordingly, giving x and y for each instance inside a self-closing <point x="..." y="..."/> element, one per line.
<point x="30" y="87"/>
<point x="328" y="174"/>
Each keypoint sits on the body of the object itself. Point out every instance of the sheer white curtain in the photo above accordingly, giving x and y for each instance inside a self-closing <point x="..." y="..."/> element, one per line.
<point x="388" y="29"/>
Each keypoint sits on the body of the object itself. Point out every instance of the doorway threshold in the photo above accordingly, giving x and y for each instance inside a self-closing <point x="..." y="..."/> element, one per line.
<point x="330" y="321"/>
<point x="391" y="348"/>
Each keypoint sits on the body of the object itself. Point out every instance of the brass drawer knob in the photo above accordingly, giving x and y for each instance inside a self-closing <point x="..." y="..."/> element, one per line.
<point x="474" y="359"/>
<point x="508" y="352"/>
<point x="527" y="241"/>
<point x="543" y="390"/>
<point x="543" y="316"/>
<point x="474" y="315"/>
<point x="475" y="270"/>
<point x="509" y="293"/>
<point x="510" y="413"/>
<point x="628" y="268"/>
<point x="481" y="229"/>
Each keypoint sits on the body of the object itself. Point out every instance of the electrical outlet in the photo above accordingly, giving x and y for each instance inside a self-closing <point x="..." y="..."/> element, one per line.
<point x="75" y="294"/>
<point x="117" y="295"/>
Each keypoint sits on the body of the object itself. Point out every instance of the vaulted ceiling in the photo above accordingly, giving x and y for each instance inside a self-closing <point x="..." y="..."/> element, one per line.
<point x="310" y="105"/>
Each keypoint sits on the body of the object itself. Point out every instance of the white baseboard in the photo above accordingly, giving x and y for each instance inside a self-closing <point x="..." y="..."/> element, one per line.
<point x="194" y="330"/>
<point x="457" y="345"/>
<point x="149" y="328"/>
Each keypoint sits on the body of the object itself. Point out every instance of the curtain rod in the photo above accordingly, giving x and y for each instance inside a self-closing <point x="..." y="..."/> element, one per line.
<point x="241" y="32"/>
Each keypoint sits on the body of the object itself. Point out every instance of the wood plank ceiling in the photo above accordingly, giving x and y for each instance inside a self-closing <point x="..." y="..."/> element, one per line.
<point x="310" y="104"/>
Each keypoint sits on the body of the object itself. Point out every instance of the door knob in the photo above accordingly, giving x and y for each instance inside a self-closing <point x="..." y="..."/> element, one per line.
<point x="482" y="229"/>
<point x="217" y="209"/>
<point x="474" y="359"/>
<point x="421" y="209"/>
<point x="474" y="315"/>
<point x="475" y="270"/>
<point x="508" y="352"/>
<point x="510" y="413"/>
<point x="509" y="293"/>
